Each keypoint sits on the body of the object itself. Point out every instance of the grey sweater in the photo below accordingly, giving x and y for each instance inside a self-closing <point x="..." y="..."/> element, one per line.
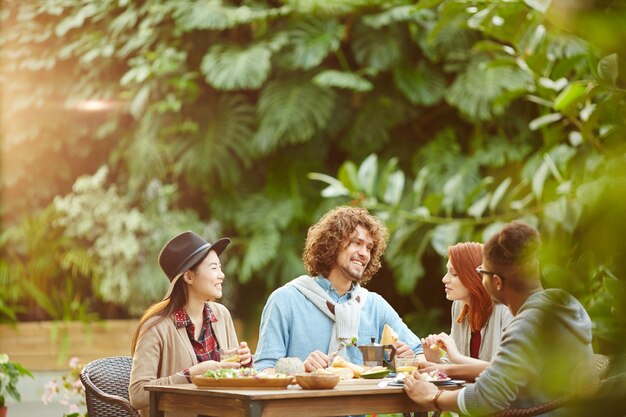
<point x="545" y="353"/>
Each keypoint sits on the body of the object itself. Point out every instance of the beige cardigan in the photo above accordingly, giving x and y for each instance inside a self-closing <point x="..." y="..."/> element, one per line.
<point x="164" y="351"/>
<point x="491" y="333"/>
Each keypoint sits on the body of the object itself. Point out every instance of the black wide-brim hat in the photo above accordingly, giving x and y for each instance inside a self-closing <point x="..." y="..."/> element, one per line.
<point x="184" y="251"/>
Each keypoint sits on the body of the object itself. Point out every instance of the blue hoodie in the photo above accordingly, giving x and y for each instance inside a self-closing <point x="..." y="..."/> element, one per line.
<point x="545" y="354"/>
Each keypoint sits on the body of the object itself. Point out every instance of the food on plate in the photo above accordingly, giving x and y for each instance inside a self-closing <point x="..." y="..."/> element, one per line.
<point x="241" y="373"/>
<point x="436" y="375"/>
<point x="377" y="372"/>
<point x="344" y="373"/>
<point x="389" y="336"/>
<point x="340" y="362"/>
<point x="289" y="366"/>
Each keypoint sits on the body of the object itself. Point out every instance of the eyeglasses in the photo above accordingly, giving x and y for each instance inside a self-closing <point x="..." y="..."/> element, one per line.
<point x="482" y="272"/>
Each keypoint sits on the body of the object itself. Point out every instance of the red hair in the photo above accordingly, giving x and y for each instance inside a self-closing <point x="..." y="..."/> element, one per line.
<point x="465" y="258"/>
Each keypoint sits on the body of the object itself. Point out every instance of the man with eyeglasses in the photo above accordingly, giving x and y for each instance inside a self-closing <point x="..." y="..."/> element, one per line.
<point x="545" y="353"/>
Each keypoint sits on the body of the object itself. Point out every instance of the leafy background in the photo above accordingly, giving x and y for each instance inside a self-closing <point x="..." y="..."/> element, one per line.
<point x="126" y="122"/>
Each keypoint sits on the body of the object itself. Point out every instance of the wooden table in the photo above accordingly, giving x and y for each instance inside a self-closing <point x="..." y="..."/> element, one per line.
<point x="342" y="400"/>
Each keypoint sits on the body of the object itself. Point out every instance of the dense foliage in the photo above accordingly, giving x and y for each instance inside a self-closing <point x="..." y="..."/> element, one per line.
<point x="445" y="117"/>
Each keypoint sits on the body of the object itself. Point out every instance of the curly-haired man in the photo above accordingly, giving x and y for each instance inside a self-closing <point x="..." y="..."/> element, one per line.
<point x="312" y="315"/>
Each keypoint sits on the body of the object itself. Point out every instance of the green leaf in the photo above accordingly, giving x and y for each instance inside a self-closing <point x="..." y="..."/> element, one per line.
<point x="572" y="94"/>
<point x="260" y="249"/>
<point x="292" y="111"/>
<point x="395" y="187"/>
<point x="367" y="174"/>
<point x="341" y="79"/>
<point x="499" y="193"/>
<point x="476" y="91"/>
<point x="539" y="179"/>
<point x="608" y="69"/>
<point x="348" y="175"/>
<point x="445" y="235"/>
<point x="335" y="187"/>
<point x="236" y="68"/>
<point x="539" y="5"/>
<point x="479" y="206"/>
<point x="311" y="40"/>
<point x="421" y="85"/>
<point x="378" y="49"/>
<point x="544" y="120"/>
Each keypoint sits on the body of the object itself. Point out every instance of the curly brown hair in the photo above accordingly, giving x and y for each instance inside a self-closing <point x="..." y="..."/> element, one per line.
<point x="328" y="236"/>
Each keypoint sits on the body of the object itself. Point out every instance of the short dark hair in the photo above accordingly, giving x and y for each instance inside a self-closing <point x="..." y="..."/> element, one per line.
<point x="326" y="237"/>
<point x="513" y="251"/>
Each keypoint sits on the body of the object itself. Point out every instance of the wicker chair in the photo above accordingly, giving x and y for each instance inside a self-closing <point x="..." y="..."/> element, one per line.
<point x="106" y="387"/>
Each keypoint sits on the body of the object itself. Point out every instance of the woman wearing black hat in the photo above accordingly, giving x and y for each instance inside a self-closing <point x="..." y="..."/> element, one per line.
<point x="182" y="335"/>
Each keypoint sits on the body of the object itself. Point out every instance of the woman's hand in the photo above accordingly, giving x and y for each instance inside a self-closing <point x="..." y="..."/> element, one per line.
<point x="419" y="391"/>
<point x="202" y="367"/>
<point x="430" y="342"/>
<point x="245" y="357"/>
<point x="440" y="341"/>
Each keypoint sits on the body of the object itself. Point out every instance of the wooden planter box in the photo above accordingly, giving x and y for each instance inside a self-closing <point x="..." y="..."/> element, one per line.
<point x="35" y="346"/>
<point x="38" y="345"/>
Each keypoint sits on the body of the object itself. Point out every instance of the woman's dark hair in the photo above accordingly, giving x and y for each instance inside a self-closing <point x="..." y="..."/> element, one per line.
<point x="326" y="238"/>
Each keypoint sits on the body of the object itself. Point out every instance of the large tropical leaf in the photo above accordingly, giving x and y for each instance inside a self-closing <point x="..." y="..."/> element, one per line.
<point x="292" y="111"/>
<point x="236" y="68"/>
<point x="373" y="123"/>
<point x="420" y="84"/>
<point x="222" y="146"/>
<point x="477" y="90"/>
<point x="378" y="49"/>
<point x="311" y="40"/>
<point x="214" y="15"/>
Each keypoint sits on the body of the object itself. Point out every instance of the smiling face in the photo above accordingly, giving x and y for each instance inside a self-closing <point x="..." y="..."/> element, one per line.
<point x="455" y="290"/>
<point x="205" y="281"/>
<point x="354" y="255"/>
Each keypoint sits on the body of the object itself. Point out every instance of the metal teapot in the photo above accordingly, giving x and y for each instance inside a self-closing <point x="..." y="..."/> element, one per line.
<point x="374" y="354"/>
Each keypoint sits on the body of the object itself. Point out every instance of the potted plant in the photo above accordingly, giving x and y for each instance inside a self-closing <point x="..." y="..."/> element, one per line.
<point x="10" y="373"/>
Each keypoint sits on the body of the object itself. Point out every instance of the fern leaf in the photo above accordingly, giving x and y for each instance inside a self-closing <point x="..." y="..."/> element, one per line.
<point x="292" y="111"/>
<point x="393" y="15"/>
<point x="236" y="68"/>
<point x="421" y="84"/>
<point x="476" y="91"/>
<point x="311" y="40"/>
<point x="341" y="79"/>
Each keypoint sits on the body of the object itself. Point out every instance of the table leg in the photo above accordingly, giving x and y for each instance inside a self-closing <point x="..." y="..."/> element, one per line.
<point x="154" y="403"/>
<point x="254" y="409"/>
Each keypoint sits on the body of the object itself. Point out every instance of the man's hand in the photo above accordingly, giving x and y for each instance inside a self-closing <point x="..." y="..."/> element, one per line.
<point x="419" y="391"/>
<point x="316" y="360"/>
<point x="403" y="350"/>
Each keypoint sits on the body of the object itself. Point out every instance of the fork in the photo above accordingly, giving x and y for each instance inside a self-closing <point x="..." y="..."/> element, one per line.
<point x="332" y="356"/>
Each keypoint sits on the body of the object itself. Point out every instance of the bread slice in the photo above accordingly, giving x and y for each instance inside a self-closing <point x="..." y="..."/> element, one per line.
<point x="340" y="362"/>
<point x="389" y="336"/>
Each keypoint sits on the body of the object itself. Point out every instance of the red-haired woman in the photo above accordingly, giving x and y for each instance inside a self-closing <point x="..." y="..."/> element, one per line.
<point x="477" y="324"/>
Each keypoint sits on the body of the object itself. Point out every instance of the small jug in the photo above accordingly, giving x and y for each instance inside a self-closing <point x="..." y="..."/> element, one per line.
<point x="374" y="354"/>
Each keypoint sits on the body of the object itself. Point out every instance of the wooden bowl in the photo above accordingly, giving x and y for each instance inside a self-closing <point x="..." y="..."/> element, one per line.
<point x="317" y="381"/>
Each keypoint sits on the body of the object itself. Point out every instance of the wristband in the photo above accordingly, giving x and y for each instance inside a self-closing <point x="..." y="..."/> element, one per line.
<point x="435" y="398"/>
